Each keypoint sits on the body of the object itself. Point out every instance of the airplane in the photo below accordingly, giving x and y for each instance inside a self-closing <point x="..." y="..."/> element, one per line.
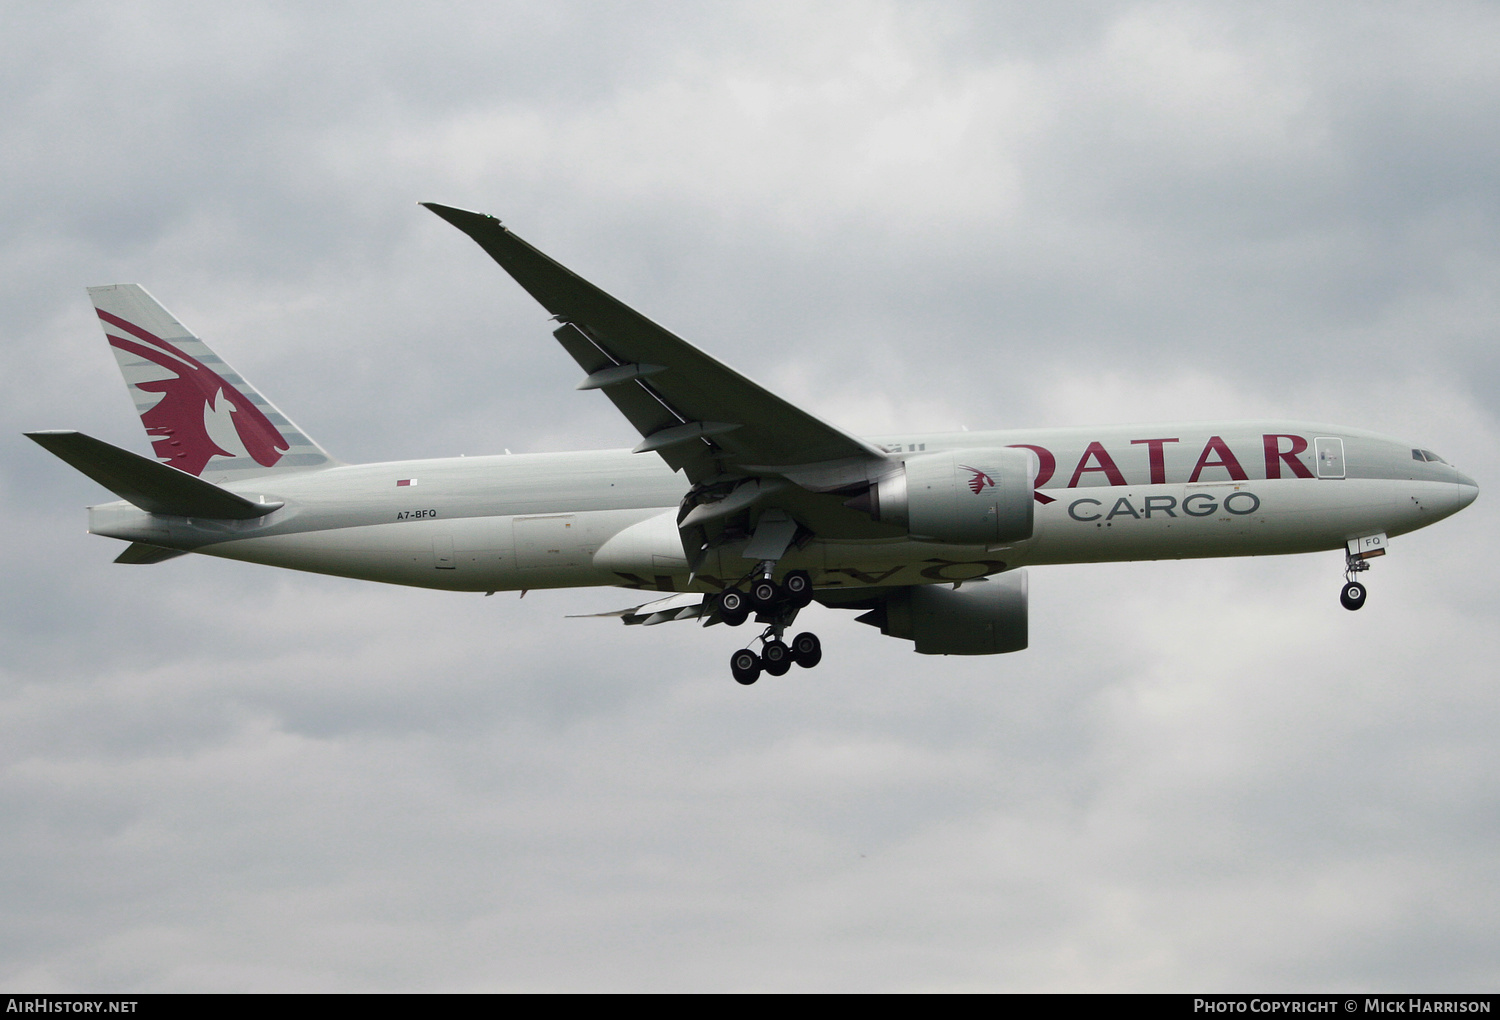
<point x="734" y="503"/>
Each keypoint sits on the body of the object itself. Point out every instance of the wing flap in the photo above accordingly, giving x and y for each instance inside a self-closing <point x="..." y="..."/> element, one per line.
<point x="683" y="606"/>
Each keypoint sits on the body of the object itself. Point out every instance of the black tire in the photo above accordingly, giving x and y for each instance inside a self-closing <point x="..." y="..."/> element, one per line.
<point x="798" y="588"/>
<point x="1353" y="596"/>
<point x="745" y="665"/>
<point x="732" y="602"/>
<point x="764" y="593"/>
<point x="776" y="658"/>
<point x="736" y="619"/>
<point x="807" y="650"/>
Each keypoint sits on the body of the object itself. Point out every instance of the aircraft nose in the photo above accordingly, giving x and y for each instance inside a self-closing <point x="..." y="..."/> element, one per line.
<point x="1468" y="490"/>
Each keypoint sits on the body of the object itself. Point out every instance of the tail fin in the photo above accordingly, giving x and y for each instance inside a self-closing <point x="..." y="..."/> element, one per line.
<point x="201" y="416"/>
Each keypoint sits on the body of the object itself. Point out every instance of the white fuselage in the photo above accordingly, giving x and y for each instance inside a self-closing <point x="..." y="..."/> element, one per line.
<point x="608" y="517"/>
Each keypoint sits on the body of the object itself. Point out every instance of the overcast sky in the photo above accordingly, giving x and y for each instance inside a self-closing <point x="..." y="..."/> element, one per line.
<point x="1201" y="776"/>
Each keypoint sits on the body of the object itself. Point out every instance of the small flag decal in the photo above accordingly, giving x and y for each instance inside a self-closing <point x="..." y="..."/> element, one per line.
<point x="406" y="481"/>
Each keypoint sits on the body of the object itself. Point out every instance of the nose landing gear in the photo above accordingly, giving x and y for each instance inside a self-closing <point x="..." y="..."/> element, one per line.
<point x="1357" y="556"/>
<point x="1353" y="595"/>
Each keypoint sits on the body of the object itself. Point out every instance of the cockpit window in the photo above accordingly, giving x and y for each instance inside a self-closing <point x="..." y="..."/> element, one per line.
<point x="1429" y="455"/>
<point x="1417" y="455"/>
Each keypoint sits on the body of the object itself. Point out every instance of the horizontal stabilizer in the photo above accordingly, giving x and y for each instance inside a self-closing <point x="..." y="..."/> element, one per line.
<point x="150" y="485"/>
<point x="144" y="552"/>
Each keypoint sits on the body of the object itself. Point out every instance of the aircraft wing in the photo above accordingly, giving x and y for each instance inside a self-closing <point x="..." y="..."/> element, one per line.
<point x="698" y="414"/>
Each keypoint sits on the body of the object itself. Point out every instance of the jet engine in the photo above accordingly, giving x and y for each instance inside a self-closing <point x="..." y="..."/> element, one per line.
<point x="980" y="618"/>
<point x="980" y="496"/>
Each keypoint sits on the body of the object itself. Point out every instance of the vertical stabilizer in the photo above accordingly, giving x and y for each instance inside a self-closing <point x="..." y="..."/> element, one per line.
<point x="201" y="416"/>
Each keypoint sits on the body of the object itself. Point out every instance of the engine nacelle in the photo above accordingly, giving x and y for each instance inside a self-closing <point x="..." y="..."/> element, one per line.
<point x="984" y="618"/>
<point x="980" y="496"/>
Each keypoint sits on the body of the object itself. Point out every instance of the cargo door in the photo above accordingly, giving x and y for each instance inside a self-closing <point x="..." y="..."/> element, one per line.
<point x="553" y="541"/>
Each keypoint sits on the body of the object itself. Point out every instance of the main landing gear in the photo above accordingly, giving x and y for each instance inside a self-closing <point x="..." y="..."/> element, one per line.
<point x="766" y="598"/>
<point x="776" y="656"/>
<point x="777" y="606"/>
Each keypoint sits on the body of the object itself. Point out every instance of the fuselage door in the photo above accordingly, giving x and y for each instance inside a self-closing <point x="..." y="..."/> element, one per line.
<point x="1330" y="450"/>
<point x="550" y="541"/>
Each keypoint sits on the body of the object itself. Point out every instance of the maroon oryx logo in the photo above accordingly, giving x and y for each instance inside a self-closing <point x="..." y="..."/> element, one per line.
<point x="176" y="424"/>
<point x="979" y="481"/>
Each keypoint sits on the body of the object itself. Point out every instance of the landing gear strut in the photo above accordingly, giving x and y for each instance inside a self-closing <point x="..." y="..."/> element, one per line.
<point x="1352" y="596"/>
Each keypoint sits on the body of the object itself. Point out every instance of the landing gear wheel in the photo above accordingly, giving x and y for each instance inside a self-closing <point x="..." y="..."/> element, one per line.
<point x="734" y="608"/>
<point x="1353" y="595"/>
<point x="763" y="593"/>
<point x="798" y="588"/>
<point x="745" y="665"/>
<point x="776" y="657"/>
<point x="807" y="650"/>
